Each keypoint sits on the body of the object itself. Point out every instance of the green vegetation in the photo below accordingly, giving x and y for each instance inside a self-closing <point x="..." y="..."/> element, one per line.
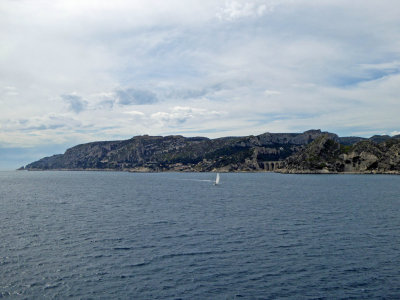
<point x="346" y="149"/>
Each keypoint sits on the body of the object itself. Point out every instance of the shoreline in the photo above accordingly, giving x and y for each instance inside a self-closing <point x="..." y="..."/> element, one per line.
<point x="284" y="172"/>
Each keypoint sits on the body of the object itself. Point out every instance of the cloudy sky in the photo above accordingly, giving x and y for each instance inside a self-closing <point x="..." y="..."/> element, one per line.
<point x="80" y="71"/>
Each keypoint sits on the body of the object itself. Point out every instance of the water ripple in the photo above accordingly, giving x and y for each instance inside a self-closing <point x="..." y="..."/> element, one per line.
<point x="168" y="236"/>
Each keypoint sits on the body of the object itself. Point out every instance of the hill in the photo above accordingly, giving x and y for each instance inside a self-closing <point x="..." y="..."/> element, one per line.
<point x="312" y="151"/>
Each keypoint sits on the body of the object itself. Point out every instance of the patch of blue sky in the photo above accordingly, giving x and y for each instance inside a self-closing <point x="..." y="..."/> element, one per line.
<point x="360" y="131"/>
<point x="369" y="75"/>
<point x="13" y="158"/>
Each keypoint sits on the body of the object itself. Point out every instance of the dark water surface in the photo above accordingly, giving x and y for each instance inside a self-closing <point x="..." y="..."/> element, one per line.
<point x="176" y="236"/>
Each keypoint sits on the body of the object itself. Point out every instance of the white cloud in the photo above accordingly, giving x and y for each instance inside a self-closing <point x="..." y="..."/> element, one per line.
<point x="236" y="9"/>
<point x="182" y="114"/>
<point x="134" y="113"/>
<point x="10" y="91"/>
<point x="270" y="93"/>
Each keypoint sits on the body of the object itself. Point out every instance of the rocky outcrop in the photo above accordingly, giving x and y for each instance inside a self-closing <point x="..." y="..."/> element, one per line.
<point x="325" y="155"/>
<point x="320" y="156"/>
<point x="370" y="157"/>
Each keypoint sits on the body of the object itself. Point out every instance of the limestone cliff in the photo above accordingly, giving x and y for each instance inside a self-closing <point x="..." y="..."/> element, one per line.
<point x="178" y="153"/>
<point x="325" y="155"/>
<point x="312" y="151"/>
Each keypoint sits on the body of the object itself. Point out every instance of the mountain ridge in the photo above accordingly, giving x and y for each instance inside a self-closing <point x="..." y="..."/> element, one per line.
<point x="279" y="152"/>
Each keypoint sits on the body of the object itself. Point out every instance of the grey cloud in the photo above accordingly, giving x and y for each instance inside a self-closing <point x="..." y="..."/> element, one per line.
<point x="187" y="94"/>
<point x="106" y="104"/>
<point x="43" y="127"/>
<point x="23" y="121"/>
<point x="135" y="96"/>
<point x="194" y="93"/>
<point x="76" y="103"/>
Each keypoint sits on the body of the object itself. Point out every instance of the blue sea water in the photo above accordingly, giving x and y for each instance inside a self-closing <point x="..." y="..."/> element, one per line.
<point x="115" y="235"/>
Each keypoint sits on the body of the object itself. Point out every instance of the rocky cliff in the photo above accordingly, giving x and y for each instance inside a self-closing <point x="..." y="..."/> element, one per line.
<point x="312" y="151"/>
<point x="326" y="155"/>
<point x="178" y="153"/>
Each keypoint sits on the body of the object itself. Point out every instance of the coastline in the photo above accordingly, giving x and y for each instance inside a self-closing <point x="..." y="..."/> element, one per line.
<point x="283" y="171"/>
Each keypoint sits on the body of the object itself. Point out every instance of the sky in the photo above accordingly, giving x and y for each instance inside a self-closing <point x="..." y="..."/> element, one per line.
<point x="73" y="72"/>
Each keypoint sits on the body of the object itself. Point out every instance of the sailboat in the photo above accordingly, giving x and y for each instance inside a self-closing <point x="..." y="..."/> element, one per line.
<point x="217" y="180"/>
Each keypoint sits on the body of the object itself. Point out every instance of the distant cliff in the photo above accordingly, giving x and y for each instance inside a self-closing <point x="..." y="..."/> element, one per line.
<point x="312" y="151"/>
<point x="178" y="153"/>
<point x="327" y="155"/>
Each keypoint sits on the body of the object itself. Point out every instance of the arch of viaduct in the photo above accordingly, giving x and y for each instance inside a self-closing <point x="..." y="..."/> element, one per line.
<point x="271" y="165"/>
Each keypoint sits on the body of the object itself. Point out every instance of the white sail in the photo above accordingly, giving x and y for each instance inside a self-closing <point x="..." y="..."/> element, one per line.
<point x="217" y="179"/>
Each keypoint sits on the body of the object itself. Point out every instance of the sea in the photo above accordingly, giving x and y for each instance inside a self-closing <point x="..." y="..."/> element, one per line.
<point x="120" y="235"/>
